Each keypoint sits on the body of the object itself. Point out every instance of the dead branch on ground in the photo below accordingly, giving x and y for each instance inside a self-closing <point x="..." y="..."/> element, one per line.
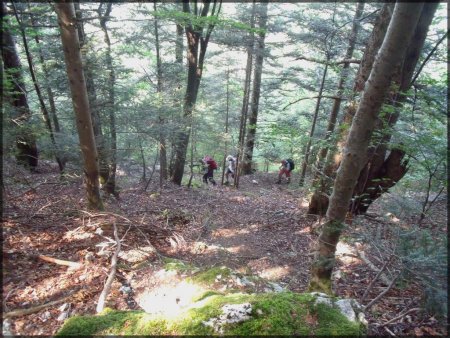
<point x="112" y="273"/>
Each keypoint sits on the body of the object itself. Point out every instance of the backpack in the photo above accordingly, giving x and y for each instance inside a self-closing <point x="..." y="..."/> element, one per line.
<point x="212" y="164"/>
<point x="291" y="163"/>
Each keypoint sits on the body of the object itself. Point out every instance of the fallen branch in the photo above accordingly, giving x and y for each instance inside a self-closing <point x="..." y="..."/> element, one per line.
<point x="383" y="277"/>
<point x="112" y="273"/>
<point x="376" y="278"/>
<point x="377" y="298"/>
<point x="400" y="316"/>
<point x="23" y="312"/>
<point x="60" y="261"/>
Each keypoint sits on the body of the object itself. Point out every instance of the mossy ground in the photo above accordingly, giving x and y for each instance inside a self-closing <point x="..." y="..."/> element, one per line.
<point x="284" y="313"/>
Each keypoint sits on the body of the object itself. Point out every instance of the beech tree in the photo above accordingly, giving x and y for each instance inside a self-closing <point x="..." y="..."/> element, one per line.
<point x="74" y="67"/>
<point x="400" y="31"/>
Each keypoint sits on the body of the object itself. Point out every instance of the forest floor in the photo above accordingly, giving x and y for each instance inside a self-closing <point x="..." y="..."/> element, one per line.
<point x="261" y="229"/>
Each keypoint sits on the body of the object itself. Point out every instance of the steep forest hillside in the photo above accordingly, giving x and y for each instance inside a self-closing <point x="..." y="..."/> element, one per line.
<point x="210" y="167"/>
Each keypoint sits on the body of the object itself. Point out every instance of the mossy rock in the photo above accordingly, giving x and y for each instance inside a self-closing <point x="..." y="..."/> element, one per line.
<point x="284" y="313"/>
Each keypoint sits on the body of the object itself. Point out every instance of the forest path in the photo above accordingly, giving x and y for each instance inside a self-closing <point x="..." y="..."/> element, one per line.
<point x="260" y="229"/>
<point x="257" y="229"/>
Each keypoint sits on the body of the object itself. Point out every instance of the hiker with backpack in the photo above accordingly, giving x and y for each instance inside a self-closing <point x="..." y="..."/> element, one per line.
<point x="209" y="165"/>
<point x="286" y="167"/>
<point x="231" y="169"/>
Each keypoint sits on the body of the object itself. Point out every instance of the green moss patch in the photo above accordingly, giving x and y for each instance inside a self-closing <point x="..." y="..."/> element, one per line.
<point x="283" y="313"/>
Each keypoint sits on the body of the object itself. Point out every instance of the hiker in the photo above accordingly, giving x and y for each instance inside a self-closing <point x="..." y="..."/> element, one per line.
<point x="209" y="165"/>
<point x="286" y="167"/>
<point x="231" y="169"/>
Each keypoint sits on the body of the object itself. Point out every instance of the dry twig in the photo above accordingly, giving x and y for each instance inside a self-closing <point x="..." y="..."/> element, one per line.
<point x="112" y="273"/>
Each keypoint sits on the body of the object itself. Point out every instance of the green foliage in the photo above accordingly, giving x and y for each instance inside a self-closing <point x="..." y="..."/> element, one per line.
<point x="425" y="258"/>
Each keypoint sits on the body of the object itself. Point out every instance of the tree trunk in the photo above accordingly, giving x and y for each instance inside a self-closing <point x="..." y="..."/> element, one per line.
<point x="27" y="153"/>
<point x="92" y="95"/>
<point x="319" y="200"/>
<point x="72" y="56"/>
<point x="225" y="152"/>
<point x="313" y="126"/>
<point x="253" y="118"/>
<point x="245" y="100"/>
<point x="392" y="51"/>
<point x="60" y="157"/>
<point x="44" y="110"/>
<point x="162" y="139"/>
<point x="110" y="185"/>
<point x="197" y="41"/>
<point x="383" y="171"/>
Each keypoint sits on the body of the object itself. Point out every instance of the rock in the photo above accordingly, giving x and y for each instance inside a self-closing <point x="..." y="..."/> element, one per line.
<point x="231" y="313"/>
<point x="62" y="316"/>
<point x="350" y="308"/>
<point x="276" y="287"/>
<point x="125" y="289"/>
<point x="7" y="328"/>
<point x="63" y="307"/>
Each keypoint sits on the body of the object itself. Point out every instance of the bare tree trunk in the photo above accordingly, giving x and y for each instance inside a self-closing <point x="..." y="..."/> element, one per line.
<point x="27" y="153"/>
<point x="392" y="51"/>
<point x="72" y="56"/>
<point x="245" y="100"/>
<point x="44" y="110"/>
<point x="60" y="157"/>
<point x="382" y="170"/>
<point x="197" y="41"/>
<point x="110" y="185"/>
<point x="225" y="152"/>
<point x="253" y="118"/>
<point x="92" y="95"/>
<point x="313" y="126"/>
<point x="319" y="200"/>
<point x="162" y="139"/>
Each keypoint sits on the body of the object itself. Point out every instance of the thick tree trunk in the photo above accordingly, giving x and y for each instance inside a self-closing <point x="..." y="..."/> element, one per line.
<point x="253" y="118"/>
<point x="383" y="171"/>
<point x="27" y="153"/>
<point x="72" y="56"/>
<point x="392" y="51"/>
<point x="92" y="95"/>
<point x="319" y="200"/>
<point x="197" y="43"/>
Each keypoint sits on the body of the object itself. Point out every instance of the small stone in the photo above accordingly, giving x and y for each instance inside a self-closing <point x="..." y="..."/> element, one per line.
<point x="259" y="312"/>
<point x="62" y="316"/>
<point x="63" y="307"/>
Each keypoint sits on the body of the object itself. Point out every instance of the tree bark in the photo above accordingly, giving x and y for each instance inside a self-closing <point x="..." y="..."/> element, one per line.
<point x="56" y="129"/>
<point x="245" y="99"/>
<point x="110" y="185"/>
<point x="44" y="109"/>
<point x="253" y="118"/>
<point x="392" y="51"/>
<point x="313" y="127"/>
<point x="27" y="153"/>
<point x="162" y="139"/>
<point x="74" y="67"/>
<point x="92" y="95"/>
<point x="319" y="201"/>
<point x="382" y="170"/>
<point x="197" y="43"/>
